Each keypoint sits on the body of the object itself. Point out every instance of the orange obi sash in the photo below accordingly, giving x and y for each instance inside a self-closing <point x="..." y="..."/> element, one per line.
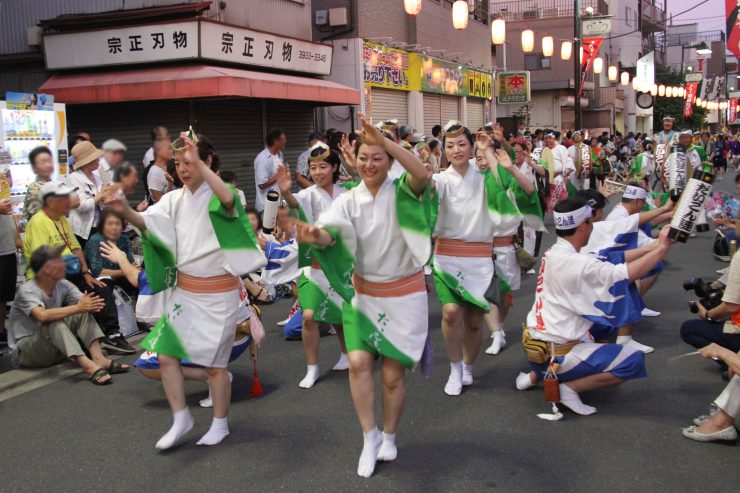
<point x="459" y="248"/>
<point x="393" y="289"/>
<point x="216" y="284"/>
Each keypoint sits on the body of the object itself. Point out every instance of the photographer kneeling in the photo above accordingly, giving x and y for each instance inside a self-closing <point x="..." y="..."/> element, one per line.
<point x="719" y="324"/>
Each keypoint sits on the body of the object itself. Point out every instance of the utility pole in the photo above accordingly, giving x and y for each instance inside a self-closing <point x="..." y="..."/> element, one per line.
<point x="577" y="61"/>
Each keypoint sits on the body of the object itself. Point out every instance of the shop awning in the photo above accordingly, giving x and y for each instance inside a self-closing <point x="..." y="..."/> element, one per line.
<point x="193" y="81"/>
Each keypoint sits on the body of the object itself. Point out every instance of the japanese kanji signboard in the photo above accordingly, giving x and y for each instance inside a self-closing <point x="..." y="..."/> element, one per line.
<point x="122" y="45"/>
<point x="185" y="40"/>
<point x="238" y="45"/>
<point x="513" y="87"/>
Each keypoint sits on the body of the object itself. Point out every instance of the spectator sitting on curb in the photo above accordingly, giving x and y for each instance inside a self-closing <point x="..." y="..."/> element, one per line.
<point x="51" y="316"/>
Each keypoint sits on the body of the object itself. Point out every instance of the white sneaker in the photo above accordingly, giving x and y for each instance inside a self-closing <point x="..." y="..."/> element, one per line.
<point x="283" y="322"/>
<point x="647" y="312"/>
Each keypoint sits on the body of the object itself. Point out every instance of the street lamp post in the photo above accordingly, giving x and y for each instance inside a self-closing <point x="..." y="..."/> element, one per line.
<point x="577" y="61"/>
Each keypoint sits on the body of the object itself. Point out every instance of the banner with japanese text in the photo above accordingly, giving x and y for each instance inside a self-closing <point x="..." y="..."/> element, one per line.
<point x="688" y="104"/>
<point x="732" y="111"/>
<point x="480" y="84"/>
<point x="442" y="77"/>
<point x="390" y="68"/>
<point x="732" y="27"/>
<point x="590" y="52"/>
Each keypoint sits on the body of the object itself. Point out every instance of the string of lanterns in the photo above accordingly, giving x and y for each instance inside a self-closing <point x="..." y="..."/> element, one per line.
<point x="461" y="10"/>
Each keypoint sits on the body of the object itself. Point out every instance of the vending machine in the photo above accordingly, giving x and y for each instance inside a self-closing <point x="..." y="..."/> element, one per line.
<point x="29" y="120"/>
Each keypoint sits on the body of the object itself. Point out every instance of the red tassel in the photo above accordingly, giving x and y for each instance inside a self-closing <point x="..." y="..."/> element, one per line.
<point x="256" y="390"/>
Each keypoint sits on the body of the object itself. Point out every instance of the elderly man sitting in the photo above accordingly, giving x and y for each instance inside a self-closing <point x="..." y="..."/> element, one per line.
<point x="51" y="317"/>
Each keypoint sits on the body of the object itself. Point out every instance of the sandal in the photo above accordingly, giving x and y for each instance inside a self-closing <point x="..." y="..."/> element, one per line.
<point x="98" y="374"/>
<point x="117" y="367"/>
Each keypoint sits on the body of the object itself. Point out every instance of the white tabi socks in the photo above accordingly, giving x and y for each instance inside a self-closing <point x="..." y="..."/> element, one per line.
<point x="342" y="364"/>
<point x="454" y="383"/>
<point x="627" y="341"/>
<point x="182" y="423"/>
<point x="388" y="451"/>
<point x="218" y="431"/>
<point x="369" y="456"/>
<point x="312" y="374"/>
<point x="570" y="399"/>
<point x="499" y="341"/>
<point x="467" y="378"/>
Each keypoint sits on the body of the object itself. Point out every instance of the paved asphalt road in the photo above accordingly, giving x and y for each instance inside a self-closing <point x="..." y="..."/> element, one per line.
<point x="71" y="436"/>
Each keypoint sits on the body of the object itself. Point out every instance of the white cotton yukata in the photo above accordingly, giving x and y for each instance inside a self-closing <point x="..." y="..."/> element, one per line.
<point x="203" y="323"/>
<point x="575" y="291"/>
<point x="314" y="290"/>
<point x="381" y="239"/>
<point x="474" y="208"/>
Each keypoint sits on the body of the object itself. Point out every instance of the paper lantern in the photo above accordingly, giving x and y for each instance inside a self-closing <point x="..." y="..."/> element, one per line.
<point x="698" y="102"/>
<point x="498" y="31"/>
<point x="460" y="14"/>
<point x="661" y="90"/>
<point x="636" y="84"/>
<point x="654" y="90"/>
<point x="566" y="50"/>
<point x="547" y="46"/>
<point x="613" y="73"/>
<point x="723" y="105"/>
<point x="527" y="41"/>
<point x="412" y="7"/>
<point x="598" y="65"/>
<point x="669" y="92"/>
<point x="625" y="78"/>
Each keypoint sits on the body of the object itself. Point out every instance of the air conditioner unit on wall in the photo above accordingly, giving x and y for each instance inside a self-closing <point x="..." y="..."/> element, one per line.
<point x="530" y="14"/>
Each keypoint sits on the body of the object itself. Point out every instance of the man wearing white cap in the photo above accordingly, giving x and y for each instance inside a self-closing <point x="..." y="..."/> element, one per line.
<point x="115" y="150"/>
<point x="574" y="291"/>
<point x="633" y="202"/>
<point x="50" y="227"/>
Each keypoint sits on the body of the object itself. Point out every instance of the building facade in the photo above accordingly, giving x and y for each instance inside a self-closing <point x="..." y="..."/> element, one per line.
<point x="419" y="69"/>
<point x="231" y="69"/>
<point x="605" y="105"/>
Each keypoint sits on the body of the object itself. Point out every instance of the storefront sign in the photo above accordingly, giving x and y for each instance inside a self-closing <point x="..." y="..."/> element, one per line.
<point x="122" y="45"/>
<point x="185" y="40"/>
<point x="513" y="87"/>
<point x="479" y="84"/>
<point x="646" y="69"/>
<point x="29" y="101"/>
<point x="688" y="104"/>
<point x="237" y="45"/>
<point x="596" y="26"/>
<point x="442" y="77"/>
<point x="390" y="68"/>
<point x="693" y="77"/>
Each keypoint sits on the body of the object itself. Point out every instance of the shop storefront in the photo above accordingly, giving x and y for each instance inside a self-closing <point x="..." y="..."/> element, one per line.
<point x="422" y="91"/>
<point x="221" y="79"/>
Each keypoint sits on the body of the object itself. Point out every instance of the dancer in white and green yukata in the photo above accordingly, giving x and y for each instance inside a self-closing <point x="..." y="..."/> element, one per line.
<point x="517" y="195"/>
<point x="372" y="244"/>
<point x="196" y="245"/>
<point x="319" y="301"/>
<point x="474" y="206"/>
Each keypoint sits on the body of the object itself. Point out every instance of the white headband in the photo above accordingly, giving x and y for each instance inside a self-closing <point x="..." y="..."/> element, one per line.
<point x="573" y="219"/>
<point x="632" y="192"/>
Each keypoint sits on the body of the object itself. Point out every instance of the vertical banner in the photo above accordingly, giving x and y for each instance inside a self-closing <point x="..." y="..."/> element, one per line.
<point x="590" y="52"/>
<point x="732" y="27"/>
<point x="688" y="104"/>
<point x="732" y="112"/>
<point x="646" y="69"/>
